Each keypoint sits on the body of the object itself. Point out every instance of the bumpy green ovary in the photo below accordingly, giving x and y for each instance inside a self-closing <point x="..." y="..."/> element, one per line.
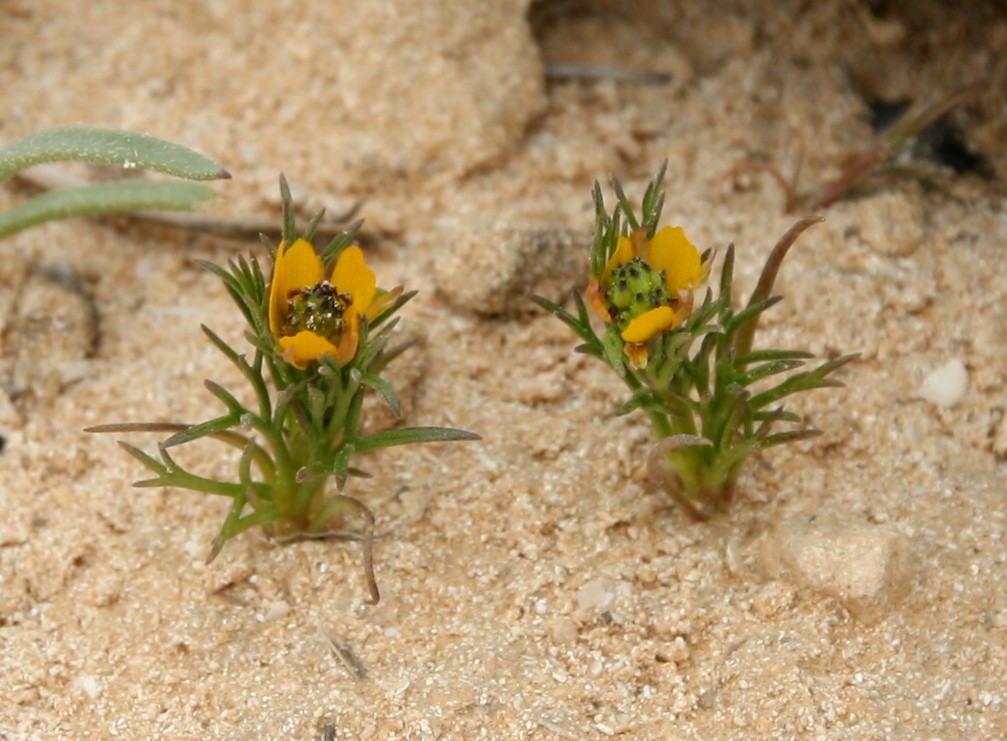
<point x="635" y="288"/>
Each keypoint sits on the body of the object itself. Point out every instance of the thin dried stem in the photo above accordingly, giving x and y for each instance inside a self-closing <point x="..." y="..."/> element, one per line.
<point x="911" y="125"/>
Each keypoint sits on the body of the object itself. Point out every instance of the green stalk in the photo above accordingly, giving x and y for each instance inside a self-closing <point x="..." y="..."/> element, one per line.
<point x="661" y="422"/>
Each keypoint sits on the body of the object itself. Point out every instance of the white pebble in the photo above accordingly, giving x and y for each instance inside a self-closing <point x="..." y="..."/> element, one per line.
<point x="276" y="610"/>
<point x="946" y="385"/>
<point x="595" y="595"/>
<point x="88" y="685"/>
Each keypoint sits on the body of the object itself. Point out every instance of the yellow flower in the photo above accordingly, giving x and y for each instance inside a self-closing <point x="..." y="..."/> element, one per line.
<point x="310" y="316"/>
<point x="646" y="287"/>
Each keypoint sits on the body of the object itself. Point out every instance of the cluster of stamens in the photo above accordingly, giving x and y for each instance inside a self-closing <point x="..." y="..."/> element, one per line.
<point x="319" y="309"/>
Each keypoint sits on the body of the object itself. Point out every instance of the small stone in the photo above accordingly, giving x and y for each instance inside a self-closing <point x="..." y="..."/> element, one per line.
<point x="676" y="651"/>
<point x="670" y="628"/>
<point x="276" y="610"/>
<point x="864" y="567"/>
<point x="946" y="385"/>
<point x="563" y="631"/>
<point x="87" y="684"/>
<point x="595" y="595"/>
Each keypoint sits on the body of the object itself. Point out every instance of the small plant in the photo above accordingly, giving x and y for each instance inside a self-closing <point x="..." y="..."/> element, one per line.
<point x="107" y="147"/>
<point x="319" y="332"/>
<point x="712" y="399"/>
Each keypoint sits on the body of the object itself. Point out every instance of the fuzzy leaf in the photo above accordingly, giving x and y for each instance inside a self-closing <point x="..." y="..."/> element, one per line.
<point x="105" y="198"/>
<point x="409" y="435"/>
<point x="790" y="436"/>
<point x="227" y="399"/>
<point x="765" y="370"/>
<point x="777" y="415"/>
<point x="382" y="387"/>
<point x="107" y="147"/>
<point x="747" y="315"/>
<point x="339" y="243"/>
<point x="767" y="279"/>
<point x="289" y="231"/>
<point x="812" y="379"/>
<point x="581" y="324"/>
<point x="760" y="356"/>
<point x="203" y="429"/>
<point x="148" y="460"/>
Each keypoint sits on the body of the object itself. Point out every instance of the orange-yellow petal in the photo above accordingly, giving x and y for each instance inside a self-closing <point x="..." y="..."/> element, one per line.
<point x="624" y="252"/>
<point x="306" y="347"/>
<point x="348" y="343"/>
<point x="637" y="354"/>
<point x="596" y="300"/>
<point x="351" y="275"/>
<point x="382" y="301"/>
<point x="669" y="250"/>
<point x="648" y="324"/>
<point x="295" y="268"/>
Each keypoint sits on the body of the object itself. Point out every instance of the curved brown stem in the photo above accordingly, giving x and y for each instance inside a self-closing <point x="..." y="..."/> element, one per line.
<point x="746" y="334"/>
<point x="790" y="198"/>
<point x="367" y="539"/>
<point x="912" y="124"/>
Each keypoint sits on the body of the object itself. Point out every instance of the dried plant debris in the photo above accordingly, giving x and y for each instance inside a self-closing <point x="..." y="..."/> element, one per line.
<point x="943" y="142"/>
<point x="913" y="132"/>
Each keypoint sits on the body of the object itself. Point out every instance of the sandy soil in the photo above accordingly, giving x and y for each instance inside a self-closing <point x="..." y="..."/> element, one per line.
<point x="533" y="585"/>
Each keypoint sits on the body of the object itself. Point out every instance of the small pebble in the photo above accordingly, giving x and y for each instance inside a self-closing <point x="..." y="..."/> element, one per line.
<point x="946" y="385"/>
<point x="864" y="567"/>
<point x="276" y="610"/>
<point x="87" y="684"/>
<point x="563" y="631"/>
<point x="594" y="595"/>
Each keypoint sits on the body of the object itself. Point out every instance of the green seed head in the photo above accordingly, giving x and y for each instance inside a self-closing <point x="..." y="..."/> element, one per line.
<point x="635" y="288"/>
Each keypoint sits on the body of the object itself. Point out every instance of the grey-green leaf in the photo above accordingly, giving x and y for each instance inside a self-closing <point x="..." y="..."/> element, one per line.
<point x="106" y="198"/>
<point x="409" y="435"/>
<point x="107" y="147"/>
